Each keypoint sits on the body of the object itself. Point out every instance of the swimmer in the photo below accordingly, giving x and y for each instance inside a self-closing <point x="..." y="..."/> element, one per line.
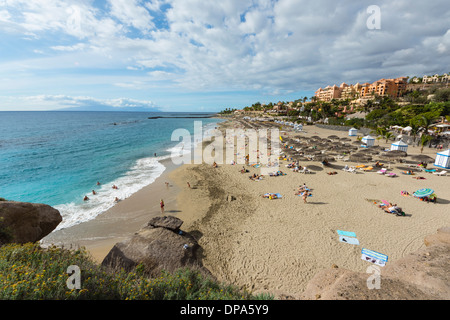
<point x="93" y="192"/>
<point x="85" y="198"/>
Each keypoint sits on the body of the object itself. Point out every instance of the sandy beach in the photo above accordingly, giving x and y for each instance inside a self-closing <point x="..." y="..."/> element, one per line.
<point x="278" y="245"/>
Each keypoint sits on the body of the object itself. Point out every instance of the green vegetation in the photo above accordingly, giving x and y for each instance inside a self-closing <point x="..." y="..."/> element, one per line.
<point x="419" y="108"/>
<point x="29" y="272"/>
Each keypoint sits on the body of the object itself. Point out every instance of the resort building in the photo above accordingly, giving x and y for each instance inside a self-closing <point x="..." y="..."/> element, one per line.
<point x="393" y="88"/>
<point x="436" y="78"/>
<point x="329" y="93"/>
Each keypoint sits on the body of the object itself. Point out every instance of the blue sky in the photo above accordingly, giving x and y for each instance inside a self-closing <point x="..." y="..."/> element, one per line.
<point x="197" y="55"/>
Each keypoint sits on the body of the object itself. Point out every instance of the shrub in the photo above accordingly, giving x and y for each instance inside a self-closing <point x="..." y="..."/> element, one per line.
<point x="30" y="272"/>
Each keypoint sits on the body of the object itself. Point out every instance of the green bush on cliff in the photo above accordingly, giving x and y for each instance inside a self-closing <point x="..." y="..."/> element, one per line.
<point x="29" y="272"/>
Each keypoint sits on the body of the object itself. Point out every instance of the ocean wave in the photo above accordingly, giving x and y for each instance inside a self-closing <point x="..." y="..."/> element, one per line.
<point x="143" y="173"/>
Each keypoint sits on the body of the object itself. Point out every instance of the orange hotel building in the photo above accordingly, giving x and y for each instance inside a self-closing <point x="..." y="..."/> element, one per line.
<point x="392" y="88"/>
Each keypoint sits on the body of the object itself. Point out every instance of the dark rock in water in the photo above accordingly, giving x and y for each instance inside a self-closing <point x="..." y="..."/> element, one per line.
<point x="158" y="246"/>
<point x="27" y="222"/>
<point x="168" y="222"/>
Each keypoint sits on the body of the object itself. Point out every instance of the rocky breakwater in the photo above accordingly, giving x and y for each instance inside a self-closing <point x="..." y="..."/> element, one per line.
<point x="160" y="245"/>
<point x="422" y="275"/>
<point x="22" y="222"/>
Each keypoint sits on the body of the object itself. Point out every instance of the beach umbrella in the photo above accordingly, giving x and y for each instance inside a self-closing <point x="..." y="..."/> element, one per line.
<point x="422" y="158"/>
<point x="424" y="192"/>
<point x="393" y="155"/>
<point x="333" y="137"/>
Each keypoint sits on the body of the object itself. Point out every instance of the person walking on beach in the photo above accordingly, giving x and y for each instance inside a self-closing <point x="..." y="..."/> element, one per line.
<point x="305" y="195"/>
<point x="161" y="203"/>
<point x="189" y="185"/>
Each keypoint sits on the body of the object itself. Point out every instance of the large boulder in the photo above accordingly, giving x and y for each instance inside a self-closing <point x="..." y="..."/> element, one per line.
<point x="421" y="275"/>
<point x="22" y="222"/>
<point x="160" y="245"/>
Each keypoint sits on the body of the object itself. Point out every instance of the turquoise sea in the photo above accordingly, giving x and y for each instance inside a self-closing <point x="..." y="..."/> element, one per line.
<point x="57" y="158"/>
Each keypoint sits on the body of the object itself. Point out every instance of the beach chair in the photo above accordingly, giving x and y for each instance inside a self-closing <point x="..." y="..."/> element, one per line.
<point x="352" y="170"/>
<point x="391" y="175"/>
<point x="442" y="173"/>
<point x="305" y="170"/>
<point x="382" y="171"/>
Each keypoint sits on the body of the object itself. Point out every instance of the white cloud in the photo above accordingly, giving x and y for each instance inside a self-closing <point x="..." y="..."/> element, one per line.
<point x="273" y="46"/>
<point x="131" y="13"/>
<point x="54" y="102"/>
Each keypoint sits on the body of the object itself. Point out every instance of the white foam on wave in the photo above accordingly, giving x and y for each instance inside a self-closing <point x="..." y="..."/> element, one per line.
<point x="143" y="173"/>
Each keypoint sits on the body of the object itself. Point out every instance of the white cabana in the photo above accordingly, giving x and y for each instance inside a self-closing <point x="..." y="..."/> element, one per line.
<point x="352" y="132"/>
<point x="443" y="159"/>
<point x="369" y="141"/>
<point x="399" y="145"/>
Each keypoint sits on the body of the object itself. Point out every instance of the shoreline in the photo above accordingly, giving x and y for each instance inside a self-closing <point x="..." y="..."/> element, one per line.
<point x="126" y="217"/>
<point x="101" y="233"/>
<point x="277" y="246"/>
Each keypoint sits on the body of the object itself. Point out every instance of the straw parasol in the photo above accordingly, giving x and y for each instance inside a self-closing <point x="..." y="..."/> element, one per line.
<point x="422" y="158"/>
<point x="393" y="155"/>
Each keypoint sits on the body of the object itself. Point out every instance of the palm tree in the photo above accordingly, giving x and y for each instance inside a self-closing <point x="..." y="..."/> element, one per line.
<point x="423" y="141"/>
<point x="414" y="129"/>
<point x="388" y="135"/>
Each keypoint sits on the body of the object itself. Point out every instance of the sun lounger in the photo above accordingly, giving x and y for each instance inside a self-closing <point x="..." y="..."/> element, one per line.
<point x="367" y="169"/>
<point x="391" y="175"/>
<point x="305" y="170"/>
<point x="382" y="171"/>
<point x="442" y="173"/>
<point x="430" y="170"/>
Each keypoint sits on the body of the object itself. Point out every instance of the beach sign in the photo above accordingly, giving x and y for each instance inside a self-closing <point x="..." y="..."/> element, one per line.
<point x="374" y="257"/>
<point x="347" y="237"/>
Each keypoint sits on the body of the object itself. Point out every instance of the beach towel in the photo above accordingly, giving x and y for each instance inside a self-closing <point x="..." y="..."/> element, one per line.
<point x="278" y="195"/>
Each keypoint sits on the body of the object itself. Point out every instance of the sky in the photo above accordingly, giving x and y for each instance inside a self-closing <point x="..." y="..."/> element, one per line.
<point x="198" y="55"/>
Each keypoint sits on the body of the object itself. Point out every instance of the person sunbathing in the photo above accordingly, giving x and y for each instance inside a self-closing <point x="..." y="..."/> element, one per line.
<point x="331" y="173"/>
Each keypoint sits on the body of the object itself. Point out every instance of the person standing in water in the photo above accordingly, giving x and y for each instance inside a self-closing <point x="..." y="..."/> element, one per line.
<point x="161" y="203"/>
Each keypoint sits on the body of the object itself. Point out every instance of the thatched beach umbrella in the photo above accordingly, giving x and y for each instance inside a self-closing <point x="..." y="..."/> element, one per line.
<point x="358" y="157"/>
<point x="393" y="155"/>
<point x="422" y="158"/>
